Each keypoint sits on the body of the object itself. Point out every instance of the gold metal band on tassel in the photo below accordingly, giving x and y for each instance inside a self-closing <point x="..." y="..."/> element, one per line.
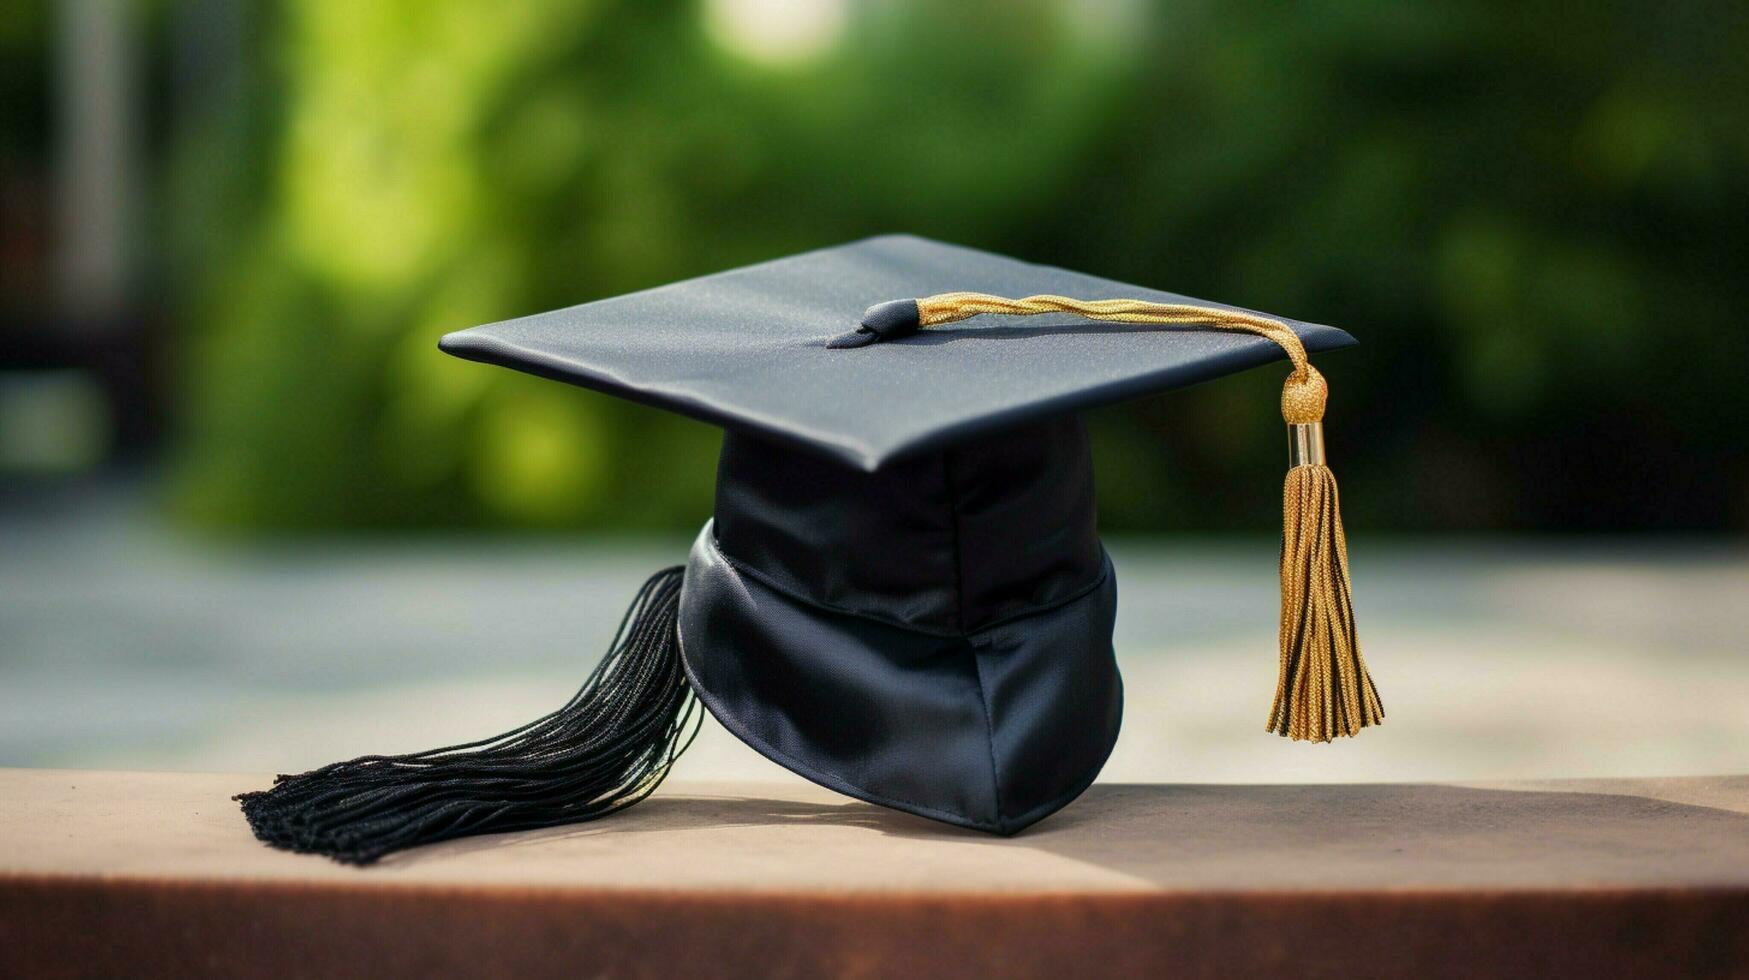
<point x="1305" y="444"/>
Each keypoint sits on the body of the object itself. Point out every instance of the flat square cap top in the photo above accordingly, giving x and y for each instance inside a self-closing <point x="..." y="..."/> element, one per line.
<point x="746" y="349"/>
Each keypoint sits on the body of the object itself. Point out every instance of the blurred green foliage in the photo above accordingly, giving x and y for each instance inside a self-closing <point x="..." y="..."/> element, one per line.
<point x="1533" y="216"/>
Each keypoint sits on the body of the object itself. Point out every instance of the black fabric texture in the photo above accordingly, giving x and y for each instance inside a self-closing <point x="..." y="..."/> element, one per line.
<point x="944" y="543"/>
<point x="933" y="637"/>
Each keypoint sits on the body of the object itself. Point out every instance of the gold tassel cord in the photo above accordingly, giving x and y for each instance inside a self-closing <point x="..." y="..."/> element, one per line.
<point x="1323" y="689"/>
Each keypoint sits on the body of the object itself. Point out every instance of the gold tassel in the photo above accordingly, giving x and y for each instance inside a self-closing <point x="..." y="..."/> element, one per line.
<point x="1323" y="689"/>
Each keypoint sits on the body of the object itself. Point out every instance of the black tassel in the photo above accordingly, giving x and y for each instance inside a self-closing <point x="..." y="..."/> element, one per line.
<point x="609" y="747"/>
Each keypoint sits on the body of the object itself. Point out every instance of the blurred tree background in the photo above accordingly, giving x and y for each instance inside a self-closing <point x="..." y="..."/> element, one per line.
<point x="1532" y="215"/>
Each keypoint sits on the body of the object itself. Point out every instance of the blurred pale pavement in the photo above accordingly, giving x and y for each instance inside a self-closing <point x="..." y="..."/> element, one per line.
<point x="123" y="645"/>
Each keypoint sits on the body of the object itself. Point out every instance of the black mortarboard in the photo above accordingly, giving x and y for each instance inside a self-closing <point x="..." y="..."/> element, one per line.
<point x="901" y="594"/>
<point x="749" y="349"/>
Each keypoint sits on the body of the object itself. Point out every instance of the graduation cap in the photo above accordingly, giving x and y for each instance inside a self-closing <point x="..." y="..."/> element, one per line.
<point x="901" y="594"/>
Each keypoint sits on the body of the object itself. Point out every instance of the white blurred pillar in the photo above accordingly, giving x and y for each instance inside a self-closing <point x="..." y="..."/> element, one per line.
<point x="96" y="170"/>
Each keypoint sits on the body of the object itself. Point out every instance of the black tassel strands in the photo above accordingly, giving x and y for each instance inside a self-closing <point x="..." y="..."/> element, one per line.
<point x="605" y="750"/>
